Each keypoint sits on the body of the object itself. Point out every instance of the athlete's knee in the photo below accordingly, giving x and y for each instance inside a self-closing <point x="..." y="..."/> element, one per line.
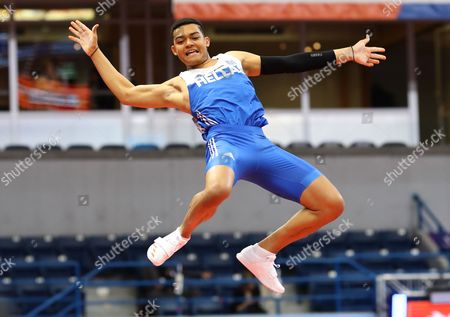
<point x="218" y="192"/>
<point x="333" y="206"/>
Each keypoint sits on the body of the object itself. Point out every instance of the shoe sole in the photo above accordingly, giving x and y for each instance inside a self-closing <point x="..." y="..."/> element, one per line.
<point x="154" y="262"/>
<point x="240" y="257"/>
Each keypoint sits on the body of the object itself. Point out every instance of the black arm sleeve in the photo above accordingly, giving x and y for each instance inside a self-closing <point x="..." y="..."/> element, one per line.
<point x="296" y="63"/>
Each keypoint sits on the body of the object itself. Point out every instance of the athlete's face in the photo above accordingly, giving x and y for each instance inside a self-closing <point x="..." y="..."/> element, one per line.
<point x="190" y="45"/>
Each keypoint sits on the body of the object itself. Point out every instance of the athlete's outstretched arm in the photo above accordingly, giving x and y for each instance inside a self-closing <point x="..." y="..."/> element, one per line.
<point x="255" y="65"/>
<point x="163" y="95"/>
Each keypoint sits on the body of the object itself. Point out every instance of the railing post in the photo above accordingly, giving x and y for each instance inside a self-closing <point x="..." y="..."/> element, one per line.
<point x="423" y="209"/>
<point x="337" y="287"/>
<point x="78" y="292"/>
<point x="420" y="215"/>
<point x="277" y="300"/>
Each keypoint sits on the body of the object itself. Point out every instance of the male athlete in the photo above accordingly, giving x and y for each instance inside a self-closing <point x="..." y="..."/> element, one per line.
<point x="222" y="100"/>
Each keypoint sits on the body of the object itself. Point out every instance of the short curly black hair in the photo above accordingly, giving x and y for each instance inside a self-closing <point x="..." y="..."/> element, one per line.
<point x="185" y="21"/>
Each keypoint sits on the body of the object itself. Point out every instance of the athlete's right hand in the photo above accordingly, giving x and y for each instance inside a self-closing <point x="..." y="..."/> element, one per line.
<point x="84" y="36"/>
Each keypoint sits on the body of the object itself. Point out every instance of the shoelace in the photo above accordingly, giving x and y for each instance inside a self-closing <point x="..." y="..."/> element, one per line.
<point x="276" y="266"/>
<point x="272" y="259"/>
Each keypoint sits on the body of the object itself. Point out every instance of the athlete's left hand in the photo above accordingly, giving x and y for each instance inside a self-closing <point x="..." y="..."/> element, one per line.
<point x="84" y="36"/>
<point x="367" y="56"/>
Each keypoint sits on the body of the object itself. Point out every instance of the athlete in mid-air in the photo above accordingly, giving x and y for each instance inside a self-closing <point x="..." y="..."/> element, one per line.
<point x="219" y="95"/>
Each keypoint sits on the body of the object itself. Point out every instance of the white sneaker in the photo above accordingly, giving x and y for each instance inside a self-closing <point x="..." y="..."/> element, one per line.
<point x="164" y="248"/>
<point x="262" y="264"/>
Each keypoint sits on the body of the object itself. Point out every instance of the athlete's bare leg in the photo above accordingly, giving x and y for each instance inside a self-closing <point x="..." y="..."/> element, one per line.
<point x="322" y="204"/>
<point x="218" y="185"/>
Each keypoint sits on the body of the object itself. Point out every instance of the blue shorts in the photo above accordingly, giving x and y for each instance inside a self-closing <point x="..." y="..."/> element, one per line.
<point x="255" y="159"/>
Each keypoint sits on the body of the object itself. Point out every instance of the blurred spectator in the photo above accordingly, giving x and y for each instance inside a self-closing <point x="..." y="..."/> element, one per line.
<point x="147" y="293"/>
<point x="197" y="290"/>
<point x="50" y="71"/>
<point x="249" y="292"/>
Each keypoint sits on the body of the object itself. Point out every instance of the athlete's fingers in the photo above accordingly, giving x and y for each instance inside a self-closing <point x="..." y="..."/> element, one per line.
<point x="377" y="49"/>
<point x="75" y="26"/>
<point x="367" y="39"/>
<point x="74" y="31"/>
<point x="378" y="56"/>
<point x="94" y="29"/>
<point x="81" y="25"/>
<point x="373" y="61"/>
<point x="75" y="39"/>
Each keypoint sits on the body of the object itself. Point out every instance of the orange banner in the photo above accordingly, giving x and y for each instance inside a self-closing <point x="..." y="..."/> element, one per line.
<point x="226" y="10"/>
<point x="311" y="10"/>
<point x="43" y="94"/>
<point x="427" y="309"/>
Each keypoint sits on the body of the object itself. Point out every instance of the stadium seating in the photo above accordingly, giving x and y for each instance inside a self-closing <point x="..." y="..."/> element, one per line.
<point x="299" y="145"/>
<point x="362" y="145"/>
<point x="377" y="252"/>
<point x="393" y="145"/>
<point x="80" y="147"/>
<point x="113" y="147"/>
<point x="47" y="147"/>
<point x="145" y="147"/>
<point x="177" y="146"/>
<point x="17" y="147"/>
<point x="331" y="145"/>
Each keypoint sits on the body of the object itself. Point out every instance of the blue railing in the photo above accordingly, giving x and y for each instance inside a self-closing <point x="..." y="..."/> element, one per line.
<point x="72" y="266"/>
<point x="427" y="221"/>
<point x="86" y="281"/>
<point x="357" y="273"/>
